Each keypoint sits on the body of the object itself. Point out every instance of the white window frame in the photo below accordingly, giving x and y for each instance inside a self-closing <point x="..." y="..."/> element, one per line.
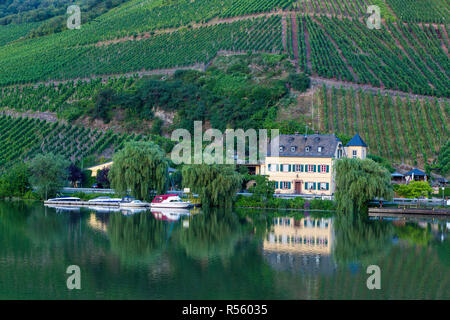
<point x="323" y="168"/>
<point x="355" y="154"/>
<point x="310" y="166"/>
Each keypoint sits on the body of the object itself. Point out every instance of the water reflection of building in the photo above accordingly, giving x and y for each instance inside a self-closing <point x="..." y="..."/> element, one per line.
<point x="98" y="222"/>
<point x="303" y="245"/>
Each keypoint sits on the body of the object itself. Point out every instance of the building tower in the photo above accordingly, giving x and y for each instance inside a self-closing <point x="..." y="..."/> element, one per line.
<point x="356" y="148"/>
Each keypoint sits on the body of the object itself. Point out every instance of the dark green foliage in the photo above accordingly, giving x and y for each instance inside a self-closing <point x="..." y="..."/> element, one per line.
<point x="299" y="81"/>
<point x="75" y="174"/>
<point x="102" y="178"/>
<point x="48" y="174"/>
<point x="384" y="162"/>
<point x="140" y="167"/>
<point x="15" y="182"/>
<point x="416" y="189"/>
<point x="359" y="181"/>
<point x="215" y="184"/>
<point x="264" y="188"/>
<point x="443" y="162"/>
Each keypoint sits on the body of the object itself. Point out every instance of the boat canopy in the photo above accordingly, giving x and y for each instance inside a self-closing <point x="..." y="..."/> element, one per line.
<point x="161" y="198"/>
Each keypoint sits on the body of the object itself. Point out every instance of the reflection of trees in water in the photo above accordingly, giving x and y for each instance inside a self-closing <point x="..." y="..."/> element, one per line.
<point x="408" y="272"/>
<point x="137" y="238"/>
<point x="212" y="234"/>
<point x="414" y="234"/>
<point x="443" y="252"/>
<point x="361" y="240"/>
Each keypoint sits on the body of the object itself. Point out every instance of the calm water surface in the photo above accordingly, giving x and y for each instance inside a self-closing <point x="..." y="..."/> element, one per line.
<point x="220" y="254"/>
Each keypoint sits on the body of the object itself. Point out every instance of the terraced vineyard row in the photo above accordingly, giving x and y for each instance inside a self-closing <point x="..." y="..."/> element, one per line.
<point x="345" y="8"/>
<point x="54" y="97"/>
<point x="161" y="51"/>
<point x="325" y="59"/>
<point x="243" y="7"/>
<point x="437" y="11"/>
<point x="13" y="32"/>
<point x="377" y="59"/>
<point x="22" y="138"/>
<point x="400" y="129"/>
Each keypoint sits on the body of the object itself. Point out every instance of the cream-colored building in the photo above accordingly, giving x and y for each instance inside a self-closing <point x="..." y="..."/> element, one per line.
<point x="102" y="166"/>
<point x="305" y="163"/>
<point x="307" y="235"/>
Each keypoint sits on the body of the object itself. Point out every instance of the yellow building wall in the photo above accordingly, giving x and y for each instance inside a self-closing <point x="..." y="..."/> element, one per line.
<point x="361" y="152"/>
<point x="308" y="235"/>
<point x="302" y="177"/>
<point x="95" y="169"/>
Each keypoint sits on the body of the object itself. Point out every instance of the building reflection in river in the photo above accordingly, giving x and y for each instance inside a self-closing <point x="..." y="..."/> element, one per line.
<point x="303" y="245"/>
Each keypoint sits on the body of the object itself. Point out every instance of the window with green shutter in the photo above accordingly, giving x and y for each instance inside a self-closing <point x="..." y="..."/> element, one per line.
<point x="328" y="168"/>
<point x="276" y="184"/>
<point x="302" y="168"/>
<point x="328" y="186"/>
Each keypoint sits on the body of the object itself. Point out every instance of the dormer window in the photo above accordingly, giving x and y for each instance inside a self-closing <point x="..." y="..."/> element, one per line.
<point x="281" y="148"/>
<point x="319" y="149"/>
<point x="307" y="149"/>
<point x="293" y="149"/>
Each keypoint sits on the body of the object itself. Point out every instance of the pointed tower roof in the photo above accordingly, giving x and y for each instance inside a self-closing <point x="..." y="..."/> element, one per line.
<point x="356" y="141"/>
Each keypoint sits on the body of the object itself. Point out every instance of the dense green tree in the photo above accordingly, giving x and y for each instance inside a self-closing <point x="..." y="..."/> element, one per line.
<point x="75" y="174"/>
<point x="102" y="178"/>
<point x="299" y="81"/>
<point x="215" y="184"/>
<point x="264" y="189"/>
<point x="359" y="181"/>
<point x="48" y="174"/>
<point x="140" y="167"/>
<point x="15" y="182"/>
<point x="416" y="189"/>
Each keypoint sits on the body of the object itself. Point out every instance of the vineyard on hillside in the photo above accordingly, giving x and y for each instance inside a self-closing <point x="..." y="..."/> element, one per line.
<point x="436" y="11"/>
<point x="54" y="98"/>
<point x="161" y="51"/>
<point x="376" y="58"/>
<point x="22" y="138"/>
<point x="400" y="129"/>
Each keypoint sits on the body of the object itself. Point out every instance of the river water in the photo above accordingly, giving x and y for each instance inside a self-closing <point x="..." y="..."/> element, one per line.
<point x="218" y="254"/>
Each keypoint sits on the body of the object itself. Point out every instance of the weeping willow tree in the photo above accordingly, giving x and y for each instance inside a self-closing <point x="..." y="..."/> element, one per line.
<point x="140" y="167"/>
<point x="215" y="184"/>
<point x="359" y="181"/>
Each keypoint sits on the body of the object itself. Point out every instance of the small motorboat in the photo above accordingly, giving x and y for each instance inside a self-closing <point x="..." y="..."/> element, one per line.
<point x="64" y="199"/>
<point x="134" y="204"/>
<point x="170" y="201"/>
<point x="106" y="200"/>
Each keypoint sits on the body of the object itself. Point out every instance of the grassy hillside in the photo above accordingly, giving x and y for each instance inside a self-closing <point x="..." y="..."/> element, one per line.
<point x="326" y="39"/>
